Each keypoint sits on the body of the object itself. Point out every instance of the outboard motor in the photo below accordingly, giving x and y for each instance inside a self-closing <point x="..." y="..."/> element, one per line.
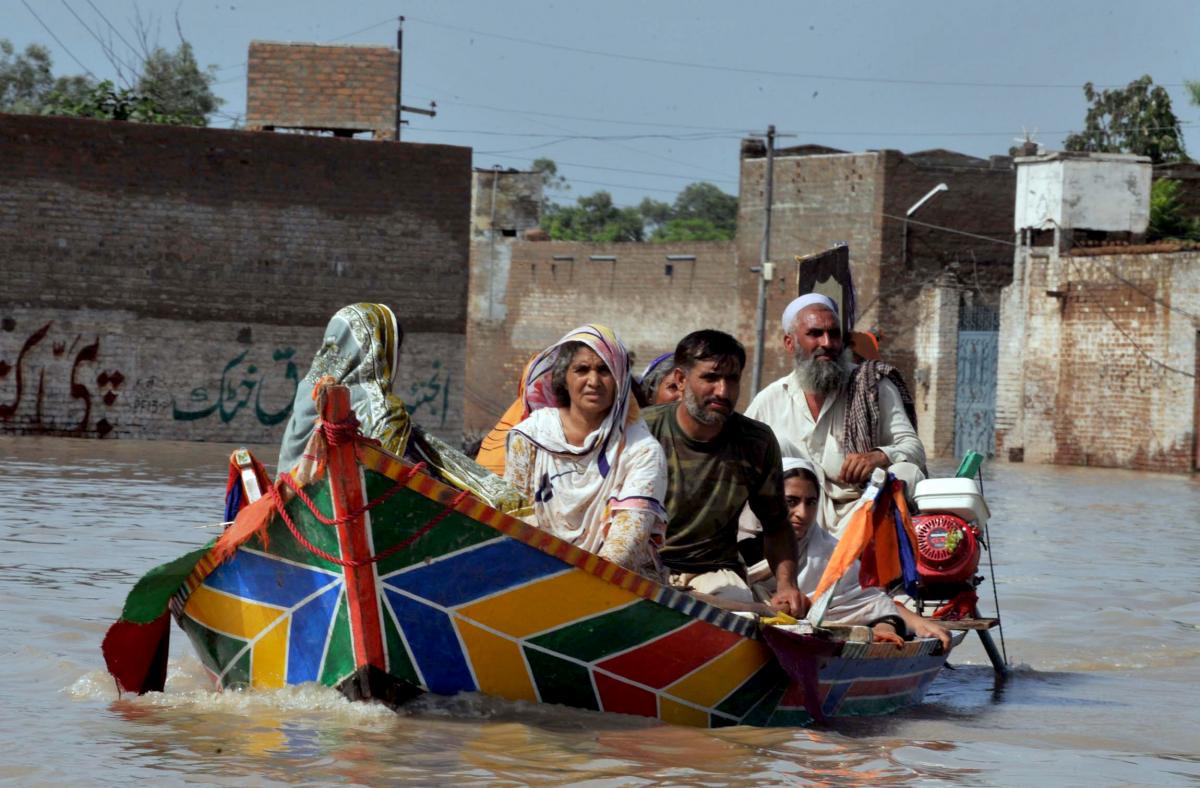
<point x="949" y="533"/>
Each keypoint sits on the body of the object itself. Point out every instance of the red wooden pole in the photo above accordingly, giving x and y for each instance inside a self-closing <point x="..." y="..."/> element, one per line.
<point x="346" y="489"/>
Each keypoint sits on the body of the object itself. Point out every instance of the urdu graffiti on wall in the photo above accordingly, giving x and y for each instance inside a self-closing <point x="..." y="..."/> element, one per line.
<point x="432" y="392"/>
<point x="49" y="386"/>
<point x="266" y="391"/>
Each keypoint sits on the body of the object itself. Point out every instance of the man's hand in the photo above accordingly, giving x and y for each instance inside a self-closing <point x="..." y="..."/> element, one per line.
<point x="857" y="468"/>
<point x="789" y="600"/>
<point x="926" y="628"/>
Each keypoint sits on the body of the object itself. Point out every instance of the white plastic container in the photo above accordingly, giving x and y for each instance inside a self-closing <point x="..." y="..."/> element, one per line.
<point x="960" y="497"/>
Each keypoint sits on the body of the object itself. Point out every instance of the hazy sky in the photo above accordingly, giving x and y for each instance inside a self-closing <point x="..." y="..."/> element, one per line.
<point x="641" y="98"/>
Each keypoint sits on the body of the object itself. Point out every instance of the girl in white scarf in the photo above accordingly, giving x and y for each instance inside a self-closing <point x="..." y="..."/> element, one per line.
<point x="596" y="476"/>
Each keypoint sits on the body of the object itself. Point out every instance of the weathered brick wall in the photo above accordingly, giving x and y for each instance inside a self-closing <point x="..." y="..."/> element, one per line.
<point x="818" y="201"/>
<point x="1107" y="361"/>
<point x="525" y="295"/>
<point x="321" y="86"/>
<point x="174" y="251"/>
<point x="934" y="382"/>
<point x="979" y="201"/>
<point x="823" y="198"/>
<point x="506" y="201"/>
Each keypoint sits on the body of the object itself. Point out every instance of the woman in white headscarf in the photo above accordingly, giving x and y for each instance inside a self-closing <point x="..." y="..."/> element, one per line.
<point x="851" y="602"/>
<point x="596" y="475"/>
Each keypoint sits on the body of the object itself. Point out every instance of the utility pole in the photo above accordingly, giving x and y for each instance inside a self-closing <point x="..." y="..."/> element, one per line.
<point x="764" y="268"/>
<point x="432" y="111"/>
<point x="399" y="73"/>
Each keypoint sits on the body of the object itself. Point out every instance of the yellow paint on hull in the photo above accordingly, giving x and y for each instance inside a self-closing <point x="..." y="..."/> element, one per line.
<point x="550" y="603"/>
<point x="499" y="667"/>
<point x="708" y="685"/>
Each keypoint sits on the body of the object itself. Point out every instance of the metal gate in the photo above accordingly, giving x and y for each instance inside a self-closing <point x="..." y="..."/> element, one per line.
<point x="975" y="392"/>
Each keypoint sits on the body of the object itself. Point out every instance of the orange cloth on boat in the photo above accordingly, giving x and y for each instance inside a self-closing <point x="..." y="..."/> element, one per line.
<point x="491" y="449"/>
<point x="870" y="537"/>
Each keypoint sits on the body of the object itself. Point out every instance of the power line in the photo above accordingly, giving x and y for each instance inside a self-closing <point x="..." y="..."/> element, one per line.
<point x="755" y="71"/>
<point x="694" y="137"/>
<point x="108" y="54"/>
<point x="534" y="113"/>
<point x="615" y="169"/>
<point x="244" y="63"/>
<point x="113" y="27"/>
<point x="1151" y="296"/>
<point x="57" y="39"/>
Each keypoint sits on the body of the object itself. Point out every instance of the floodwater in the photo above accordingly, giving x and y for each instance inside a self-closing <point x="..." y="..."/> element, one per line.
<point x="1097" y="582"/>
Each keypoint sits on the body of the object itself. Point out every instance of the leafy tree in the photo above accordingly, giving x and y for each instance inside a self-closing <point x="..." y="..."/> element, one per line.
<point x="170" y="87"/>
<point x="702" y="212"/>
<point x="179" y="87"/>
<point x="27" y="79"/>
<point x="593" y="218"/>
<point x="1134" y="119"/>
<point x="106" y="102"/>
<point x="1166" y="213"/>
<point x="552" y="182"/>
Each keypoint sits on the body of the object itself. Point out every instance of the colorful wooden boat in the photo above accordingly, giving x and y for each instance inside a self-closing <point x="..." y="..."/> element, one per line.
<point x="385" y="583"/>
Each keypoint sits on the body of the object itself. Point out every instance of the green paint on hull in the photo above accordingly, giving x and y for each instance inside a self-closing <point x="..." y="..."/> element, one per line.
<point x="339" y="658"/>
<point x="215" y="650"/>
<point x="745" y="697"/>
<point x="407" y="512"/>
<point x="760" y="715"/>
<point x="560" y="681"/>
<point x="620" y="630"/>
<point x="790" y="718"/>
<point x="284" y="545"/>
<point x="238" y="676"/>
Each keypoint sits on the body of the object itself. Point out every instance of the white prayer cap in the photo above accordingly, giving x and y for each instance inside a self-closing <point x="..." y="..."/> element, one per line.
<point x="809" y="299"/>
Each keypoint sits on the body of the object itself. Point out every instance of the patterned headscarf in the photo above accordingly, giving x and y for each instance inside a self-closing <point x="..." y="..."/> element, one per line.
<point x="361" y="350"/>
<point x="539" y="393"/>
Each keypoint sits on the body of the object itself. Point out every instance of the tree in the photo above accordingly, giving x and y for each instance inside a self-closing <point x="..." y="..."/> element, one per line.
<point x="593" y="218"/>
<point x="1134" y="119"/>
<point x="27" y="80"/>
<point x="1166" y="214"/>
<point x="106" y="102"/>
<point x="552" y="182"/>
<point x="179" y="87"/>
<point x="702" y="212"/>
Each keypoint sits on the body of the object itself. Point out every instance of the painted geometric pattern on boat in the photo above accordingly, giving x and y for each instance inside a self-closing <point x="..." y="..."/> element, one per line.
<point x="483" y="602"/>
<point x="274" y="613"/>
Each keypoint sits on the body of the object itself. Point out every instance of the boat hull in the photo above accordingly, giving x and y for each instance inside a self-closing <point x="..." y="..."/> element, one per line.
<point x="481" y="602"/>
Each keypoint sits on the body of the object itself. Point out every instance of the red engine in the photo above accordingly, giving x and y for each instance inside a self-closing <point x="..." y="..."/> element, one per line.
<point x="947" y="548"/>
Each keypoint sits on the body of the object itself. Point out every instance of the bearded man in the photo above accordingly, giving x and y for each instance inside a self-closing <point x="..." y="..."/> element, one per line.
<point x="848" y="419"/>
<point x="719" y="461"/>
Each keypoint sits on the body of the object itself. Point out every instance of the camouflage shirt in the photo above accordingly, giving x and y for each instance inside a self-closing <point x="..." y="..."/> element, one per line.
<point x="708" y="483"/>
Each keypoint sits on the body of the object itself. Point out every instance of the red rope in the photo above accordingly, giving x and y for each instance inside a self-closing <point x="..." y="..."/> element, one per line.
<point x="337" y="433"/>
<point x="287" y="479"/>
<point x="312" y="548"/>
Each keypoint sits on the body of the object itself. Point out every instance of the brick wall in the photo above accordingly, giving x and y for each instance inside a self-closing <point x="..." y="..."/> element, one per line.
<point x="525" y="295"/>
<point x="934" y="382"/>
<point x="318" y="86"/>
<point x="1103" y="360"/>
<point x="818" y="200"/>
<point x="203" y="264"/>
<point x="825" y="197"/>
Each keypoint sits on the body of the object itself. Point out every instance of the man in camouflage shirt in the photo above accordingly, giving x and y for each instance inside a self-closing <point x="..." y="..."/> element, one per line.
<point x="717" y="462"/>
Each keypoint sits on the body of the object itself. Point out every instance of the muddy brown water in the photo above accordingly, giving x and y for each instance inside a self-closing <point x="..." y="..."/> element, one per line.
<point x="1099" y="589"/>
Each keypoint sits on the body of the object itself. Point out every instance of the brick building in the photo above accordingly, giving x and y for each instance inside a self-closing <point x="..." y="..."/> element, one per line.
<point x="169" y="282"/>
<point x="823" y="196"/>
<point x="1099" y="345"/>
<point x="525" y="294"/>
<point x="346" y="89"/>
